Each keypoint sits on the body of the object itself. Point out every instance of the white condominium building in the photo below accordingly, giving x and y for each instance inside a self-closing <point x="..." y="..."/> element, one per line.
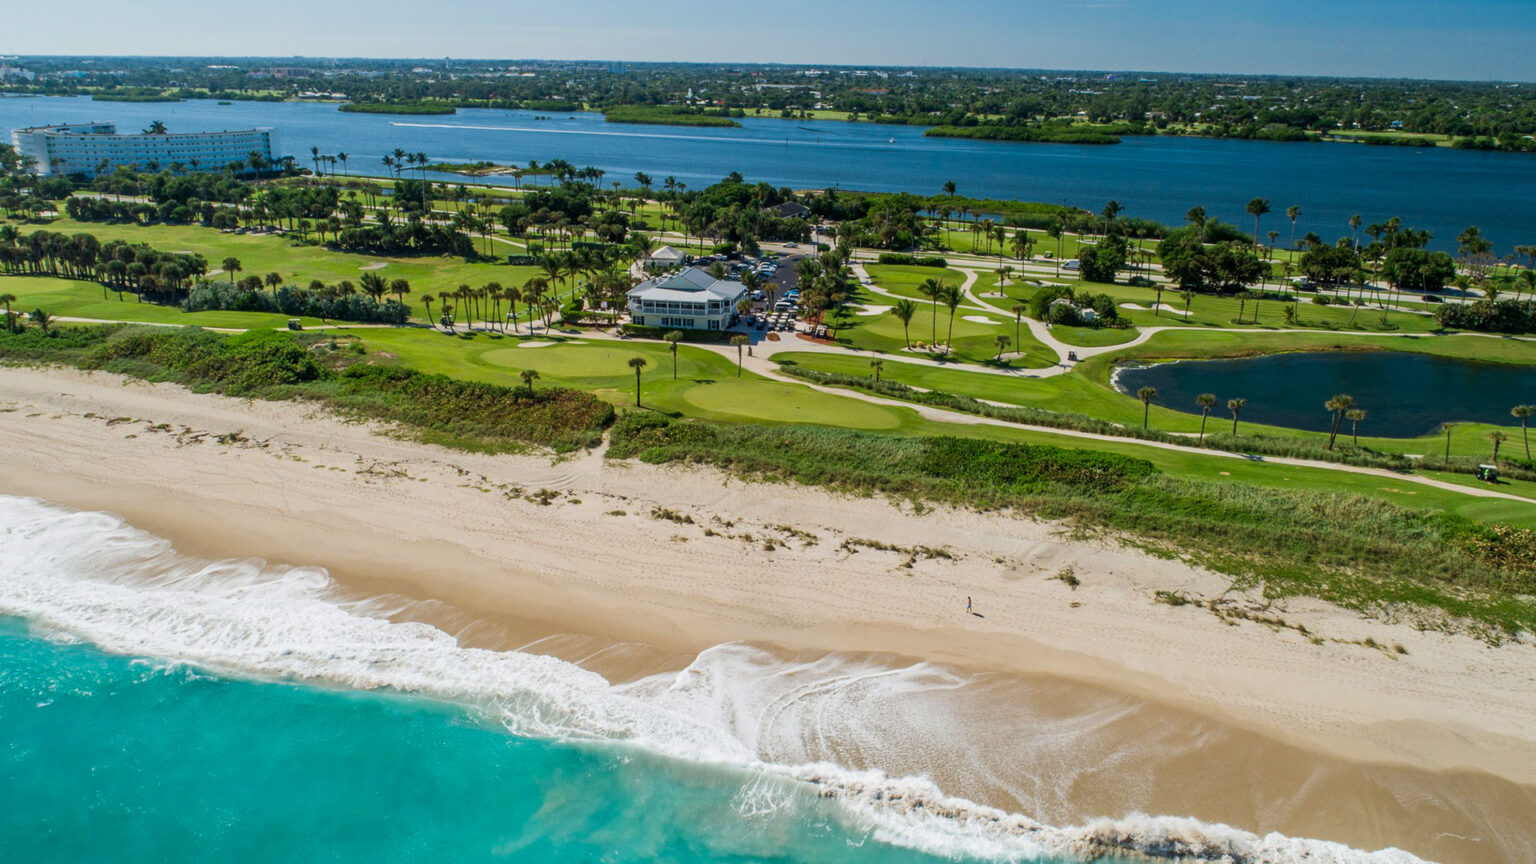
<point x="89" y="148"/>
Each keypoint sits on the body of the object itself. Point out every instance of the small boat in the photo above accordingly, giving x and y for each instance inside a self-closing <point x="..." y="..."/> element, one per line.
<point x="893" y="141"/>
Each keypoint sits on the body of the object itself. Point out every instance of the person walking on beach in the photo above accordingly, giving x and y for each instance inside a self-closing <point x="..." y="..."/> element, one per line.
<point x="968" y="603"/>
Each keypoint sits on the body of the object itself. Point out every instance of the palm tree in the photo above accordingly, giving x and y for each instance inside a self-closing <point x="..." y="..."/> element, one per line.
<point x="1522" y="412"/>
<point x="1355" y="415"/>
<point x="1196" y="217"/>
<point x="41" y="319"/>
<point x="1354" y="229"/>
<point x="1236" y="406"/>
<point x="904" y="310"/>
<point x="637" y="363"/>
<point x="1003" y="342"/>
<point x="273" y="280"/>
<point x="1256" y="208"/>
<point x="876" y="365"/>
<point x="952" y="299"/>
<point x="1498" y="437"/>
<point x="740" y="342"/>
<point x="1018" y="311"/>
<point x="933" y="289"/>
<point x="1186" y="296"/>
<point x="949" y="188"/>
<point x="672" y="339"/>
<point x="1338" y="405"/>
<point x="1146" y="395"/>
<point x="529" y="376"/>
<point x="1293" y="213"/>
<point x="8" y="299"/>
<point x="231" y="266"/>
<point x="1206" y="401"/>
<point x="427" y="300"/>
<point x="343" y="159"/>
<point x="400" y="288"/>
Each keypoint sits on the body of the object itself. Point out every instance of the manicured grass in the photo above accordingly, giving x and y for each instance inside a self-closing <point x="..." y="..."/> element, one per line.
<point x="75" y="299"/>
<point x="973" y="342"/>
<point x="1086" y="390"/>
<point x="262" y="254"/>
<point x="706" y="386"/>
<point x="903" y="279"/>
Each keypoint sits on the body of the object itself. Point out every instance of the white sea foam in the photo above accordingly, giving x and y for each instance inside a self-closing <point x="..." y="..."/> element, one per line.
<point x="91" y="575"/>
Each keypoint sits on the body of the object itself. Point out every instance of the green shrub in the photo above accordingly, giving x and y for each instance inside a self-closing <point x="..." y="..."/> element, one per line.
<point x="913" y="260"/>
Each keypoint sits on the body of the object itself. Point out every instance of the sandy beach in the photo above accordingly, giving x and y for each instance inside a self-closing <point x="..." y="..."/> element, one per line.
<point x="632" y="569"/>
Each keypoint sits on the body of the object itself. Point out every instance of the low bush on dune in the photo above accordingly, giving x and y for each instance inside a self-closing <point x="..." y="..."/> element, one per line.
<point x="280" y="365"/>
<point x="557" y="417"/>
<point x="1358" y="552"/>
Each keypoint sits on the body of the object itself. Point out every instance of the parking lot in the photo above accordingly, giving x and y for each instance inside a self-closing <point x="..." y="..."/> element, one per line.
<point x="775" y="303"/>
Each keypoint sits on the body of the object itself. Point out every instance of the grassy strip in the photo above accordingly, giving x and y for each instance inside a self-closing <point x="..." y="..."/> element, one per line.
<point x="664" y="115"/>
<point x="396" y="108"/>
<point x="1443" y="570"/>
<point x="1033" y="134"/>
<point x="275" y="365"/>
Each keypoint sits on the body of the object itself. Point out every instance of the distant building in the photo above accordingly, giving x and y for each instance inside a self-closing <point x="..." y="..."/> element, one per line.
<point x="689" y="300"/>
<point x="790" y="210"/>
<point x="10" y="73"/>
<point x="85" y="147"/>
<point x="666" y="257"/>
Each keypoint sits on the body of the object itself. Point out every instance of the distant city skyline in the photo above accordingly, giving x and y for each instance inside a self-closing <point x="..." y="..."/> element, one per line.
<point x="1438" y="39"/>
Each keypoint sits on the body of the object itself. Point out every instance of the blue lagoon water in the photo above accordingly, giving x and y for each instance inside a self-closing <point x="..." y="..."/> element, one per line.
<point x="1441" y="190"/>
<point x="1404" y="394"/>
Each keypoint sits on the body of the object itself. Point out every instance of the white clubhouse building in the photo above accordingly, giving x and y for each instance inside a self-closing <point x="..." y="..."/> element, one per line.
<point x="687" y="300"/>
<point x="84" y="147"/>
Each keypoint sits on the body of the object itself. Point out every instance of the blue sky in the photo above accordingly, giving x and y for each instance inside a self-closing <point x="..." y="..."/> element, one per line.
<point x="1470" y="39"/>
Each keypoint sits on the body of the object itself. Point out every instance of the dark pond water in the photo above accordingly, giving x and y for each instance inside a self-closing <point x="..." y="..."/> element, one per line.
<point x="1404" y="395"/>
<point x="1440" y="190"/>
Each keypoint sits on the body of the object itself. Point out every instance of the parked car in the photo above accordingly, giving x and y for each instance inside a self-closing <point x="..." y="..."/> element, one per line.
<point x="1073" y="264"/>
<point x="791" y="245"/>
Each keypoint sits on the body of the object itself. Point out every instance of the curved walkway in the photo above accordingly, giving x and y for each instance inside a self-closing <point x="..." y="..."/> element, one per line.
<point x="762" y="365"/>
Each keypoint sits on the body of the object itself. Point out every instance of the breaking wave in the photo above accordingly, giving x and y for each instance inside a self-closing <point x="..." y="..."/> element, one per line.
<point x="94" y="577"/>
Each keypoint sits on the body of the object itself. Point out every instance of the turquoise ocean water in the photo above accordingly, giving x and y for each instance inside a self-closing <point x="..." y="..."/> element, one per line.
<point x="111" y="758"/>
<point x="159" y="708"/>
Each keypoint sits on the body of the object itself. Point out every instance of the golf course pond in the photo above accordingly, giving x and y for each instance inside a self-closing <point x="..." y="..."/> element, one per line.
<point x="1404" y="394"/>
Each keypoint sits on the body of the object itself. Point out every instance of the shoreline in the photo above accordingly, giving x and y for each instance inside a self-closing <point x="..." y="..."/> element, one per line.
<point x="677" y="574"/>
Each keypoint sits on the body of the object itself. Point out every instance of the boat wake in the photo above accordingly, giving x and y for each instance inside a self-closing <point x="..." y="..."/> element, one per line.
<point x="92" y="576"/>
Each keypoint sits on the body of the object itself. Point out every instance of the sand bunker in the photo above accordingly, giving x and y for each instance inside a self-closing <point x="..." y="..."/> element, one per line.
<point x="377" y="265"/>
<point x="977" y="319"/>
<point x="1161" y="306"/>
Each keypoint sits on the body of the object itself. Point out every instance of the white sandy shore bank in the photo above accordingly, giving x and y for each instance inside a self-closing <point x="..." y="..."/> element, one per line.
<point x="611" y="557"/>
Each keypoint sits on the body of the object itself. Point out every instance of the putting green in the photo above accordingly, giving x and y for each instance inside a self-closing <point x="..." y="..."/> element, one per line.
<point x="773" y="402"/>
<point x="580" y="361"/>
